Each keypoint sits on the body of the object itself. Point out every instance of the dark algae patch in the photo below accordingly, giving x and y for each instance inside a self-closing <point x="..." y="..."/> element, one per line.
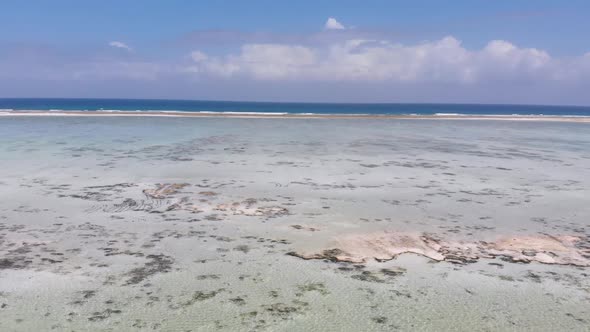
<point x="101" y="315"/>
<point x="157" y="264"/>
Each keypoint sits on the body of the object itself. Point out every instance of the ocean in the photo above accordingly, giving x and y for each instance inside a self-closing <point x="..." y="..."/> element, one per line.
<point x="113" y="105"/>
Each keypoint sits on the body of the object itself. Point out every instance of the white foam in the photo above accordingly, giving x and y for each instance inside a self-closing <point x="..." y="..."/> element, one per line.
<point x="448" y="114"/>
<point x="244" y="113"/>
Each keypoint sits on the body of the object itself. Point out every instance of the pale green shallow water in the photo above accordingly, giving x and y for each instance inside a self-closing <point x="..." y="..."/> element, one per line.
<point x="78" y="258"/>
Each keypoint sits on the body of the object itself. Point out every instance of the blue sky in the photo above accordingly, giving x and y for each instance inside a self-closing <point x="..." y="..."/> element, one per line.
<point x="408" y="51"/>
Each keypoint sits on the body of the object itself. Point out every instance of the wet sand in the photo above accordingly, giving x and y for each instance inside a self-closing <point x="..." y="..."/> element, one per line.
<point x="200" y="224"/>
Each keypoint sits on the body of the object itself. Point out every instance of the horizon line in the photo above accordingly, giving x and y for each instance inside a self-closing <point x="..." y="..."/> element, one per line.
<point x="303" y="102"/>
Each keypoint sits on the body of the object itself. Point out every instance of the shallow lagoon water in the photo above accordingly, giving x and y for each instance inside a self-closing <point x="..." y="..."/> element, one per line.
<point x="89" y="243"/>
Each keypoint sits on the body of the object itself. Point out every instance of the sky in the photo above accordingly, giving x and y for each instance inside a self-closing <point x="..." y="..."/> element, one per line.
<point x="501" y="51"/>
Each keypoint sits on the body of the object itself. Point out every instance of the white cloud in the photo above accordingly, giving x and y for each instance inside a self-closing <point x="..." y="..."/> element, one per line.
<point x="118" y="44"/>
<point x="444" y="60"/>
<point x="260" y="61"/>
<point x="333" y="24"/>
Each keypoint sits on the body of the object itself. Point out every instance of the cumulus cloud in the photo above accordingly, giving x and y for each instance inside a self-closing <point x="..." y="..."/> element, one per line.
<point x="118" y="44"/>
<point x="444" y="60"/>
<point x="333" y="24"/>
<point x="260" y="61"/>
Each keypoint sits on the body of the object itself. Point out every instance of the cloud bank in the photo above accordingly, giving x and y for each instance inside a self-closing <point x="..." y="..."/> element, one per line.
<point x="444" y="60"/>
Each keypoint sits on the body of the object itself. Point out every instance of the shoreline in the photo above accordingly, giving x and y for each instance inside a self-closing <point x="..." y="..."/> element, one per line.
<point x="245" y="115"/>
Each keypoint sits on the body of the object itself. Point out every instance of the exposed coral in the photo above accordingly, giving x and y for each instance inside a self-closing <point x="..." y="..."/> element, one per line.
<point x="162" y="191"/>
<point x="563" y="250"/>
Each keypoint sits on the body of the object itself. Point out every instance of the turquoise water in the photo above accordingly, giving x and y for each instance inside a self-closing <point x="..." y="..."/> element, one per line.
<point x="268" y="107"/>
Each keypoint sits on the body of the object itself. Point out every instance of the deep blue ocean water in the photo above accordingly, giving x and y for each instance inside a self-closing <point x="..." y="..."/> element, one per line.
<point x="273" y="107"/>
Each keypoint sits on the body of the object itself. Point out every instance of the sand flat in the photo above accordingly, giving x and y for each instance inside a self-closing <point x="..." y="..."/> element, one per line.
<point x="227" y="223"/>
